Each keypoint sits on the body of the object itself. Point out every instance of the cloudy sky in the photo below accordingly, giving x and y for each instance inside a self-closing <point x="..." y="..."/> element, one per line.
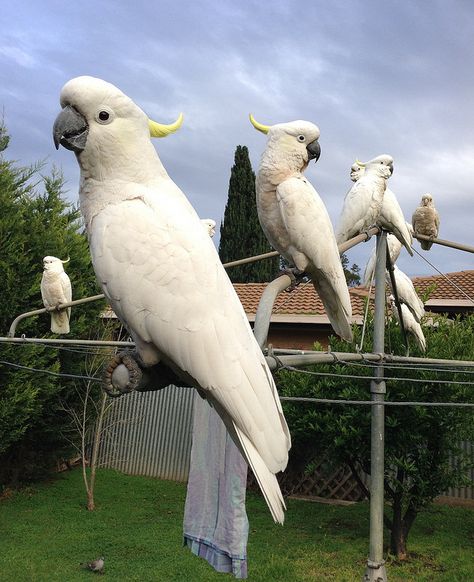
<point x="377" y="77"/>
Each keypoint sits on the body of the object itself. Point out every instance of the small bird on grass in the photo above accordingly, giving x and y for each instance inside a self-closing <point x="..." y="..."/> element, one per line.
<point x="95" y="566"/>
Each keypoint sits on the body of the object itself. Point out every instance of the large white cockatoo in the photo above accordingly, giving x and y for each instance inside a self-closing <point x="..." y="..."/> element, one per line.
<point x="391" y="215"/>
<point x="294" y="218"/>
<point x="160" y="271"/>
<point x="406" y="293"/>
<point x="410" y="323"/>
<point x="55" y="290"/>
<point x="363" y="203"/>
<point x="425" y="221"/>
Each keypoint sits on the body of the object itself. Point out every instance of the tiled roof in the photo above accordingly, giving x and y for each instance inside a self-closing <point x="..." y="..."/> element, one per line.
<point x="452" y="286"/>
<point x="304" y="301"/>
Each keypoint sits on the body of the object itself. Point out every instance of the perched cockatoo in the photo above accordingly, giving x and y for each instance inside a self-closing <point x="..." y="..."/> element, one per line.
<point x="55" y="290"/>
<point x="209" y="225"/>
<point x="294" y="218"/>
<point x="391" y="215"/>
<point x="394" y="248"/>
<point x="162" y="275"/>
<point x="363" y="203"/>
<point x="406" y="292"/>
<point x="425" y="221"/>
<point x="409" y="322"/>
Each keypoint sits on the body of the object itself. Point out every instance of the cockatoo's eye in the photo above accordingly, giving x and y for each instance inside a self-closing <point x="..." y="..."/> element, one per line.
<point x="104" y="116"/>
<point x="301" y="138"/>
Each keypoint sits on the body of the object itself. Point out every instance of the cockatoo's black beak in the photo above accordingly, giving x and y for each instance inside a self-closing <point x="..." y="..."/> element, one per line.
<point x="314" y="150"/>
<point x="70" y="130"/>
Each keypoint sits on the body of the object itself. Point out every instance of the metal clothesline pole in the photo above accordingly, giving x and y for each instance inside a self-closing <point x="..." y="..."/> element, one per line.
<point x="375" y="570"/>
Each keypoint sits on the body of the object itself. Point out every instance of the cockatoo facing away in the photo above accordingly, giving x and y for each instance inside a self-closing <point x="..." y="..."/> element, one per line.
<point x="294" y="218"/>
<point x="56" y="289"/>
<point x="162" y="274"/>
<point x="391" y="215"/>
<point x="363" y="203"/>
<point x="425" y="221"/>
<point x="410" y="323"/>
<point x="407" y="293"/>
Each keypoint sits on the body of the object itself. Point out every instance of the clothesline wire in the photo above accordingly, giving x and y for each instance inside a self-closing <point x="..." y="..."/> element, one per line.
<point x="374" y="403"/>
<point x="51" y="373"/>
<point x="414" y="367"/>
<point x="387" y="378"/>
<point x="445" y="276"/>
<point x="284" y="398"/>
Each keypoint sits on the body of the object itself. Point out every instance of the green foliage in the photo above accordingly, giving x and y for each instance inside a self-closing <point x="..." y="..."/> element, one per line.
<point x="36" y="221"/>
<point x="419" y="441"/>
<point x="352" y="273"/>
<point x="241" y="234"/>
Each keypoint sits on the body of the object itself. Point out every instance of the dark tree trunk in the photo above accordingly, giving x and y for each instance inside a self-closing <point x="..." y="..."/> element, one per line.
<point x="401" y="526"/>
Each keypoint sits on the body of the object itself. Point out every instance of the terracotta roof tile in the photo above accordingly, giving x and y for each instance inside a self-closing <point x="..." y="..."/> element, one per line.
<point x="304" y="301"/>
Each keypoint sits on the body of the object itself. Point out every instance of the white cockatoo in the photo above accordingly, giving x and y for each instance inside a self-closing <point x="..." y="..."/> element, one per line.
<point x="425" y="221"/>
<point x="161" y="272"/>
<point x="410" y="323"/>
<point x="394" y="248"/>
<point x="406" y="292"/>
<point x="391" y="215"/>
<point x="55" y="290"/>
<point x="363" y="203"/>
<point x="209" y="225"/>
<point x="294" y="218"/>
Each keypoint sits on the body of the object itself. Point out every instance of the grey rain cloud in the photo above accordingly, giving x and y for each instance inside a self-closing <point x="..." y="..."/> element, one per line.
<point x="376" y="77"/>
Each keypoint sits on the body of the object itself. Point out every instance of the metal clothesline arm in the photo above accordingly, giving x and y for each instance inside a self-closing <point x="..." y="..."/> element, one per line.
<point x="60" y="307"/>
<point x="445" y="243"/>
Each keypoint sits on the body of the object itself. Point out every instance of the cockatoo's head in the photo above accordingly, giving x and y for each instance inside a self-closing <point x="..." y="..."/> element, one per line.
<point x="295" y="142"/>
<point x="95" y="113"/>
<point x="53" y="264"/>
<point x="381" y="166"/>
<point x="356" y="171"/>
<point x="209" y="225"/>
<point x="427" y="200"/>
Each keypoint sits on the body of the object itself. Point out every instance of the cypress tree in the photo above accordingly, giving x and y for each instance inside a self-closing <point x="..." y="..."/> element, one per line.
<point x="241" y="233"/>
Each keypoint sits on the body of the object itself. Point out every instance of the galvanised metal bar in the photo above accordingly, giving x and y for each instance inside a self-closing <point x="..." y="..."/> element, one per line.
<point x="288" y="357"/>
<point x="60" y="307"/>
<point x="359" y="238"/>
<point x="265" y="308"/>
<point x="375" y="571"/>
<point x="445" y="243"/>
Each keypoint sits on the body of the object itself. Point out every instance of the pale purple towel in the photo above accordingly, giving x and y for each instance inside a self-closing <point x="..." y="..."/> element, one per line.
<point x="215" y="520"/>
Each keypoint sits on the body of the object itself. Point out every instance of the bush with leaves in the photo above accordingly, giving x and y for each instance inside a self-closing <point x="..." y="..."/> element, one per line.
<point x="36" y="221"/>
<point x="420" y="442"/>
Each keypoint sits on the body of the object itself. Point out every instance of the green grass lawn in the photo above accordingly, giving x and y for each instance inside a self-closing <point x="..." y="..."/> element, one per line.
<point x="45" y="532"/>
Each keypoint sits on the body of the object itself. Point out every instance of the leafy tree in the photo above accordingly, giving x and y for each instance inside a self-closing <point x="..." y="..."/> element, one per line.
<point x="419" y="441"/>
<point x="36" y="221"/>
<point x="241" y="233"/>
<point x="352" y="273"/>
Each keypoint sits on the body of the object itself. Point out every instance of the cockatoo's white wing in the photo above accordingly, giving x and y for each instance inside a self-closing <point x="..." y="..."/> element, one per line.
<point x="407" y="293"/>
<point x="391" y="218"/>
<point x="184" y="306"/>
<point x="412" y="326"/>
<point x="304" y="214"/>
<point x="353" y="215"/>
<point x="66" y="287"/>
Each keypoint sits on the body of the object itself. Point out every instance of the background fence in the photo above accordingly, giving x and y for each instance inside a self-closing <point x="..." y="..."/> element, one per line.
<point x="150" y="433"/>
